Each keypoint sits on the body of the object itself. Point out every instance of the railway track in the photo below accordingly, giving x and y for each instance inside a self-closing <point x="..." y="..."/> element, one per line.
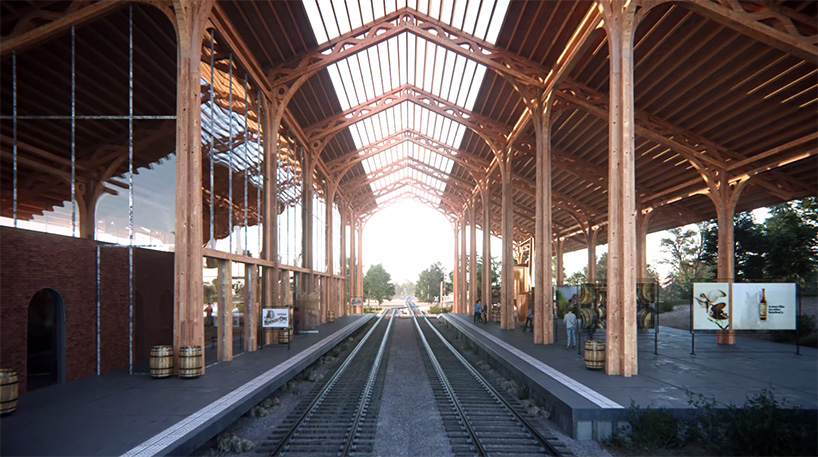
<point x="479" y="419"/>
<point x="341" y="418"/>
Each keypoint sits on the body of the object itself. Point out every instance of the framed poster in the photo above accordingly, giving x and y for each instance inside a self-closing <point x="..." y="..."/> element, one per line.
<point x="356" y="301"/>
<point x="764" y="306"/>
<point x="275" y="317"/>
<point x="711" y="306"/>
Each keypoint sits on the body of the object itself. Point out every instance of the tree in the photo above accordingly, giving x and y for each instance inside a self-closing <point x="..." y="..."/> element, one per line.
<point x="407" y="285"/>
<point x="783" y="248"/>
<point x="750" y="246"/>
<point x="428" y="283"/>
<point x="685" y="256"/>
<point x="377" y="285"/>
<point x="792" y="242"/>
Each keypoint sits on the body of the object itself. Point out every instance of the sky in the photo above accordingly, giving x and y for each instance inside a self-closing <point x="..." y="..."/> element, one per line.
<point x="408" y="237"/>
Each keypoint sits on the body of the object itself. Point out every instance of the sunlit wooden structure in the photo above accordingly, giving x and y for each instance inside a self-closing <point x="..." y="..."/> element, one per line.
<point x="595" y="122"/>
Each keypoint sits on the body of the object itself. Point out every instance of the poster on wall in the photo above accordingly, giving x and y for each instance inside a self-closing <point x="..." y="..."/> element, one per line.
<point x="764" y="306"/>
<point x="356" y="301"/>
<point x="275" y="317"/>
<point x="711" y="306"/>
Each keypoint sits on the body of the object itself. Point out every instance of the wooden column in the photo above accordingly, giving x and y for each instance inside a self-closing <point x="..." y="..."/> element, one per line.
<point x="590" y="239"/>
<point x="360" y="258"/>
<point x="472" y="252"/>
<point x="353" y="253"/>
<point x="642" y="223"/>
<point x="343" y="299"/>
<point x="332" y="302"/>
<point x="724" y="195"/>
<point x="252" y="313"/>
<point x="619" y="16"/>
<point x="463" y="263"/>
<point x="560" y="268"/>
<point x="307" y="283"/>
<point x="87" y="194"/>
<point x="485" y="296"/>
<point x="507" y="273"/>
<point x="543" y="303"/>
<point x="225" y="314"/>
<point x="188" y="329"/>
<point x="270" y="275"/>
<point x="457" y="307"/>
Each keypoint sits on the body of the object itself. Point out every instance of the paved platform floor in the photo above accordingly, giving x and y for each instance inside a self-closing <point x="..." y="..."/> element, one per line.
<point x="118" y="414"/>
<point x="587" y="402"/>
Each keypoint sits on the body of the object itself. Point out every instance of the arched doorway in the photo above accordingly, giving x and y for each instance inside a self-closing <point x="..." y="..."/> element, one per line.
<point x="46" y="340"/>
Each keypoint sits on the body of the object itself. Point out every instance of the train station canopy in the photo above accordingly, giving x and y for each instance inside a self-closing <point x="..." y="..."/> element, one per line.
<point x="413" y="99"/>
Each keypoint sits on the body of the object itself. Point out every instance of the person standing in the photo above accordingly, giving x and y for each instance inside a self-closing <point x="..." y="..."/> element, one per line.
<point x="483" y="315"/>
<point x="570" y="328"/>
<point x="529" y="319"/>
<point x="477" y="311"/>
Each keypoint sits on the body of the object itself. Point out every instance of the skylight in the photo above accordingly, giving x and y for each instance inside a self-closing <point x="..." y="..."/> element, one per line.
<point x="407" y="59"/>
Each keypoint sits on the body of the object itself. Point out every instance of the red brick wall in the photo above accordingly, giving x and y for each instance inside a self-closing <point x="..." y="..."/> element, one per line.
<point x="30" y="261"/>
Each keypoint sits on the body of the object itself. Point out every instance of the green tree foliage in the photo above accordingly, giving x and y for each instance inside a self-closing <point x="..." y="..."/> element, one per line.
<point x="409" y="286"/>
<point x="749" y="251"/>
<point x="792" y="242"/>
<point x="495" y="276"/>
<point x="427" y="286"/>
<point x="377" y="285"/>
<point x="685" y="256"/>
<point x="783" y="248"/>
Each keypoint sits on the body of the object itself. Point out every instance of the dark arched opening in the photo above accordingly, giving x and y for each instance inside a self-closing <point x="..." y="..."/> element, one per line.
<point x="46" y="340"/>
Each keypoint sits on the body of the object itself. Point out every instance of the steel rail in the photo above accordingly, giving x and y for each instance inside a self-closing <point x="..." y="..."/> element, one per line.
<point x="502" y="402"/>
<point x="363" y="398"/>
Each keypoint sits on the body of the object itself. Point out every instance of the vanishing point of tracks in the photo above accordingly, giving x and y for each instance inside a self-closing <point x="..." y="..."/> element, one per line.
<point x="340" y="417"/>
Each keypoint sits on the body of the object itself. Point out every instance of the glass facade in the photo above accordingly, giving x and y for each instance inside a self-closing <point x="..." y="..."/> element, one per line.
<point x="290" y="182"/>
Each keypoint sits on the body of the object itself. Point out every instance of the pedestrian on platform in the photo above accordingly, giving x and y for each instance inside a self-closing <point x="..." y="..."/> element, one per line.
<point x="570" y="328"/>
<point x="529" y="319"/>
<point x="477" y="310"/>
<point x="483" y="315"/>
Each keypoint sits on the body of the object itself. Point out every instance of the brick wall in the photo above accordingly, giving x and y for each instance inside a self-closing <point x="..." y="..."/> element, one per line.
<point x="30" y="261"/>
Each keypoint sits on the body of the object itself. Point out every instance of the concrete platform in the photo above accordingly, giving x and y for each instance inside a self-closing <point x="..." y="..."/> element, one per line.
<point x="118" y="414"/>
<point x="586" y="404"/>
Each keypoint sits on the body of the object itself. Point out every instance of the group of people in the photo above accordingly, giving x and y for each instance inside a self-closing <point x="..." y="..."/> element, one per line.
<point x="570" y="320"/>
<point x="479" y="313"/>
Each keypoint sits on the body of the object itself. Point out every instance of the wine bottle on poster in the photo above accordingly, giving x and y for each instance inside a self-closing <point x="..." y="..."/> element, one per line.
<point x="762" y="306"/>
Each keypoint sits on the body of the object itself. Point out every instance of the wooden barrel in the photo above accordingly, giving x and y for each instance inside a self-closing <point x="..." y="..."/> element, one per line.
<point x="283" y="336"/>
<point x="331" y="316"/>
<point x="161" y="361"/>
<point x="594" y="355"/>
<point x="190" y="361"/>
<point x="8" y="391"/>
<point x="589" y="317"/>
<point x="644" y="318"/>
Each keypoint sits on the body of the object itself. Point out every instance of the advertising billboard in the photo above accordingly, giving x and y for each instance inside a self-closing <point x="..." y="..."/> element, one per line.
<point x="764" y="306"/>
<point x="711" y="305"/>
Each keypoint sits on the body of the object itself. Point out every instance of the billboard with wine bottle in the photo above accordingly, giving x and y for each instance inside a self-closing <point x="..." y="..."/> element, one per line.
<point x="764" y="306"/>
<point x="744" y="306"/>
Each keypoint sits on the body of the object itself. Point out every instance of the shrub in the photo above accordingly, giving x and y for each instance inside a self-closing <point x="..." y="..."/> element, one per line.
<point x="762" y="426"/>
<point x="438" y="309"/>
<point x="653" y="429"/>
